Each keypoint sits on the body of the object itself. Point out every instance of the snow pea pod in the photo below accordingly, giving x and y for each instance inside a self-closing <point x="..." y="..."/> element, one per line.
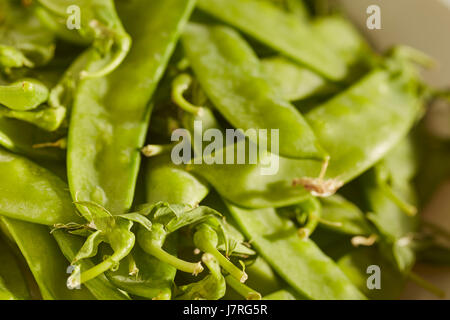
<point x="100" y="287"/>
<point x="342" y="216"/>
<point x="5" y="294"/>
<point x="153" y="279"/>
<point x="44" y="117"/>
<point x="299" y="262"/>
<point x="170" y="183"/>
<point x="231" y="75"/>
<point x="10" y="274"/>
<point x="104" y="136"/>
<point x="342" y="37"/>
<point x="293" y="81"/>
<point x="100" y="24"/>
<point x="45" y="260"/>
<point x="355" y="265"/>
<point x="23" y="95"/>
<point x="365" y="108"/>
<point x="387" y="190"/>
<point x="280" y="295"/>
<point x="280" y="30"/>
<point x="33" y="194"/>
<point x="24" y="41"/>
<point x="23" y="138"/>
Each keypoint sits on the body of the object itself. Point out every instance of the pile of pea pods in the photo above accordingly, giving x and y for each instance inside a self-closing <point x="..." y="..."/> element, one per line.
<point x="94" y="206"/>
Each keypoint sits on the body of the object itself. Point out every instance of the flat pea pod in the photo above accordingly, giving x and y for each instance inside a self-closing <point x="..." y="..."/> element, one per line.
<point x="100" y="287"/>
<point x="153" y="278"/>
<point x="388" y="191"/>
<point x="294" y="81"/>
<point x="33" y="194"/>
<point x="99" y="23"/>
<point x="343" y="38"/>
<point x="342" y="216"/>
<point x="44" y="117"/>
<point x="280" y="30"/>
<point x="45" y="260"/>
<point x="26" y="139"/>
<point x="279" y="295"/>
<point x="104" y="136"/>
<point x="24" y="41"/>
<point x="299" y="262"/>
<point x="11" y="278"/>
<point x="365" y="108"/>
<point x="23" y="95"/>
<point x="170" y="183"/>
<point x="231" y="75"/>
<point x="355" y="265"/>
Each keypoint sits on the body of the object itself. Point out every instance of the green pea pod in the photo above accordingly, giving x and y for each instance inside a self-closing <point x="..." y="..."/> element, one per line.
<point x="23" y="95"/>
<point x="44" y="117"/>
<point x="281" y="31"/>
<point x="99" y="23"/>
<point x="11" y="278"/>
<point x="342" y="216"/>
<point x="307" y="213"/>
<point x="5" y="294"/>
<point x="164" y="180"/>
<point x="45" y="260"/>
<point x="100" y="287"/>
<point x="62" y="94"/>
<point x="245" y="291"/>
<point x="387" y="189"/>
<point x="294" y="81"/>
<point x="298" y="8"/>
<point x="365" y="108"/>
<point x="262" y="277"/>
<point x="24" y="184"/>
<point x="356" y="265"/>
<point x="206" y="239"/>
<point x="24" y="41"/>
<point x="212" y="287"/>
<point x="222" y="59"/>
<point x="343" y="38"/>
<point x="99" y="117"/>
<point x="152" y="279"/>
<point x="295" y="260"/>
<point x="280" y="295"/>
<point x="29" y="140"/>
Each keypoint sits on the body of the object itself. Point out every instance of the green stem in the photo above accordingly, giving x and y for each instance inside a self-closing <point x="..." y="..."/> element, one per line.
<point x="224" y="262"/>
<point x="159" y="253"/>
<point x="245" y="291"/>
<point x="179" y="87"/>
<point x="153" y="150"/>
<point x="407" y="208"/>
<point x="124" y="45"/>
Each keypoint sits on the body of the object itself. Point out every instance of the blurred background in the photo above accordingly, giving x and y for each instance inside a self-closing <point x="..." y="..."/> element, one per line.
<point x="425" y="25"/>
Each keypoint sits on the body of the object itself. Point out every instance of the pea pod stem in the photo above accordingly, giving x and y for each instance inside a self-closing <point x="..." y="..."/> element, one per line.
<point x="94" y="271"/>
<point x="152" y="150"/>
<point x="206" y="239"/>
<point x="407" y="208"/>
<point x="245" y="291"/>
<point x="159" y="253"/>
<point x="179" y="86"/>
<point x="124" y="45"/>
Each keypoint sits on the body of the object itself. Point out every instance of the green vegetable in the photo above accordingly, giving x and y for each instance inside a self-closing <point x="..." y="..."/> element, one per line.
<point x="281" y="31"/>
<point x="230" y="73"/>
<point x="117" y="150"/>
<point x="299" y="262"/>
